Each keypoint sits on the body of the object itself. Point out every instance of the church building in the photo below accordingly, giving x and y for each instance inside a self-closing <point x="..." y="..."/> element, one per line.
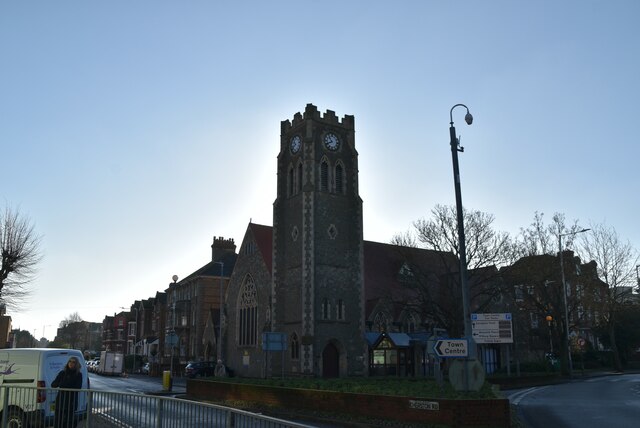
<point x="303" y="279"/>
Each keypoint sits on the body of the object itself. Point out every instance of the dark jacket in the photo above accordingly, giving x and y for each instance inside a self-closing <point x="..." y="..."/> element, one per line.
<point x="68" y="379"/>
<point x="66" y="401"/>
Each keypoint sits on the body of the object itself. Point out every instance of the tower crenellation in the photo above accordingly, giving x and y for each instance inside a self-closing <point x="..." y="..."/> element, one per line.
<point x="311" y="112"/>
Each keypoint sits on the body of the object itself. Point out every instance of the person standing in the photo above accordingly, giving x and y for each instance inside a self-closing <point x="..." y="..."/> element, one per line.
<point x="67" y="401"/>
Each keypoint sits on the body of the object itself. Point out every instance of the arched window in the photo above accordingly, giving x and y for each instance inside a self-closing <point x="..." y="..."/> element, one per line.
<point x="339" y="179"/>
<point x="299" y="186"/>
<point x="324" y="176"/>
<point x="326" y="308"/>
<point x="290" y="182"/>
<point x="340" y="310"/>
<point x="295" y="347"/>
<point x="409" y="325"/>
<point x="248" y="314"/>
<point x="381" y="322"/>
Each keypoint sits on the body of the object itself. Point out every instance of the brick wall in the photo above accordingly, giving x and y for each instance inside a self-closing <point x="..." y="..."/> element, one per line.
<point x="455" y="413"/>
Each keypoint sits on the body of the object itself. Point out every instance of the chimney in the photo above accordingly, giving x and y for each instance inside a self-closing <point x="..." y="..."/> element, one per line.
<point x="222" y="246"/>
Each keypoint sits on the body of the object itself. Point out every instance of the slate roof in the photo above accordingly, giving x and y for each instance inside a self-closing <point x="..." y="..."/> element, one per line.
<point x="400" y="340"/>
<point x="213" y="268"/>
<point x="383" y="264"/>
<point x="263" y="236"/>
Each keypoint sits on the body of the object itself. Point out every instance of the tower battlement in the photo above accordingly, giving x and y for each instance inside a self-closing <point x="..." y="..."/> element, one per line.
<point x="311" y="112"/>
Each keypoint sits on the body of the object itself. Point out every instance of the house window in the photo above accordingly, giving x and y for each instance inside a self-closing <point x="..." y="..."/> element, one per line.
<point x="534" y="320"/>
<point x="248" y="314"/>
<point x="530" y="290"/>
<point x="519" y="293"/>
<point x="132" y="329"/>
<point x="340" y="310"/>
<point x="295" y="347"/>
<point x="326" y="308"/>
<point x="324" y="176"/>
<point x="299" y="186"/>
<point x="339" y="179"/>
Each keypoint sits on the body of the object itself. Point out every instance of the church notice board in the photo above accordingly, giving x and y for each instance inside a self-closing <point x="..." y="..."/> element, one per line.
<point x="273" y="341"/>
<point x="492" y="328"/>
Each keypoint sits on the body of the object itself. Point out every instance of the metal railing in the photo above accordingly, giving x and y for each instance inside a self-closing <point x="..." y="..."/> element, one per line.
<point x="36" y="408"/>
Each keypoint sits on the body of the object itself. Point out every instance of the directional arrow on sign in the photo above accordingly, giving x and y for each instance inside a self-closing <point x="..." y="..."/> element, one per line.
<point x="451" y="348"/>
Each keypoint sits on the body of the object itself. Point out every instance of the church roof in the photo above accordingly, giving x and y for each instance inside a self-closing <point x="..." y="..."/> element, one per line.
<point x="263" y="236"/>
<point x="384" y="264"/>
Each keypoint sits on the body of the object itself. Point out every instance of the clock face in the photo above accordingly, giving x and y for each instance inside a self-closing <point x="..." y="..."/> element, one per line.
<point x="331" y="141"/>
<point x="295" y="144"/>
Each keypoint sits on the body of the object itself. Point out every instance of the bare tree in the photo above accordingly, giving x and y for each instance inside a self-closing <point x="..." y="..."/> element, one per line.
<point x="540" y="238"/>
<point x="484" y="245"/>
<point x="486" y="250"/>
<point x="616" y="263"/>
<point x="70" y="319"/>
<point x="20" y="247"/>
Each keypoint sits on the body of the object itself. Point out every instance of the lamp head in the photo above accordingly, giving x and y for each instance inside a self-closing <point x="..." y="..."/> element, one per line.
<point x="468" y="118"/>
<point x="175" y="278"/>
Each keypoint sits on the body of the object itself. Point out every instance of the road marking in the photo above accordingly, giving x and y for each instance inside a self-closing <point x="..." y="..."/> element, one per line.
<point x="100" y="414"/>
<point x="518" y="396"/>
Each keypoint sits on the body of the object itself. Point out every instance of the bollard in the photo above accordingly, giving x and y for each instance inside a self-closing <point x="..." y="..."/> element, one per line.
<point x="166" y="380"/>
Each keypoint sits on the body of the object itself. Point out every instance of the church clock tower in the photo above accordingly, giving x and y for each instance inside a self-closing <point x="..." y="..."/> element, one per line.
<point x="318" y="292"/>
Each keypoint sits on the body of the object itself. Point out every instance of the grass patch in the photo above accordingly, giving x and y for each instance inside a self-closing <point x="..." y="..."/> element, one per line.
<point x="405" y="387"/>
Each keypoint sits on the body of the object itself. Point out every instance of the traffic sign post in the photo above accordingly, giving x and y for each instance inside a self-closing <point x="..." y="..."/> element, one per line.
<point x="492" y="328"/>
<point x="452" y="348"/>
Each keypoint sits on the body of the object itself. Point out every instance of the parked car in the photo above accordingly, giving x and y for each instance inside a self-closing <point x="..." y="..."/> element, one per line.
<point x="200" y="369"/>
<point x="146" y="368"/>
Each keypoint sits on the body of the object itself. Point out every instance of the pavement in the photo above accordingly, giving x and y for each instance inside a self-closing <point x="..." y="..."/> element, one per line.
<point x="553" y="379"/>
<point x="178" y="385"/>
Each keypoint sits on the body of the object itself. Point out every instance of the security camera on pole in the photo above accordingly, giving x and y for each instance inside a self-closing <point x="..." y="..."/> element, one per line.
<point x="466" y="374"/>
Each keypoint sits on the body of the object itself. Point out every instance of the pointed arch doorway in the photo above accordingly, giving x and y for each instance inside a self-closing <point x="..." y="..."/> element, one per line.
<point x="330" y="361"/>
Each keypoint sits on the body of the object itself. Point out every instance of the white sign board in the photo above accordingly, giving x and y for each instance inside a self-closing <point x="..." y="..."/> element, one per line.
<point x="492" y="328"/>
<point x="451" y="348"/>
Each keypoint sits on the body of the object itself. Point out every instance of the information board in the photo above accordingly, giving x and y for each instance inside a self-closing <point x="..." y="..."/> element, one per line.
<point x="492" y="328"/>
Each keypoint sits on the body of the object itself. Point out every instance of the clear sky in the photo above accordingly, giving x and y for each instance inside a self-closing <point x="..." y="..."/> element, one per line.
<point x="132" y="132"/>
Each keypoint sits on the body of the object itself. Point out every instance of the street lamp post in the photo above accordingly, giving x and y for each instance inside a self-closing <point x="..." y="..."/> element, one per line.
<point x="567" y="343"/>
<point x="220" y="321"/>
<point x="220" y="369"/>
<point x="135" y="341"/>
<point x="173" y="327"/>
<point x="549" y="319"/>
<point x="455" y="148"/>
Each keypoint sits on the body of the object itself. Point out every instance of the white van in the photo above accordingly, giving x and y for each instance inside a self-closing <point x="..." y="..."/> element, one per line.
<point x="35" y="367"/>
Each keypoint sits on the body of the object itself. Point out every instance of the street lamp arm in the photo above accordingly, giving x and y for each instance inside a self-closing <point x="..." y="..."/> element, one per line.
<point x="468" y="118"/>
<point x="574" y="233"/>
